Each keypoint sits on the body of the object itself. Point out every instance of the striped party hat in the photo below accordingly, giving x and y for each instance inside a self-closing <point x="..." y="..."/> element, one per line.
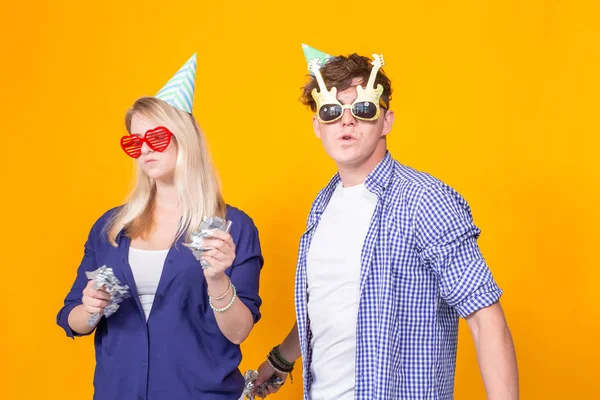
<point x="179" y="90"/>
<point x="310" y="54"/>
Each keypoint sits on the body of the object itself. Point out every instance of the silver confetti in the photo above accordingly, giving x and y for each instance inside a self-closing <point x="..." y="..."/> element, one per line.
<point x="105" y="277"/>
<point x="206" y="229"/>
<point x="251" y="390"/>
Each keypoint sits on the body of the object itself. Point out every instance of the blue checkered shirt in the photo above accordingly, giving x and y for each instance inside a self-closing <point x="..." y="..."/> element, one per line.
<point x="421" y="269"/>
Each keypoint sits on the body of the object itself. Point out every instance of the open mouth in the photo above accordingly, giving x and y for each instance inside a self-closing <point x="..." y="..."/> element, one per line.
<point x="347" y="138"/>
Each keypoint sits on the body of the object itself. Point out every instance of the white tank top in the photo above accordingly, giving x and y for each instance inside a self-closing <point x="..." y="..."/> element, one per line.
<point x="147" y="266"/>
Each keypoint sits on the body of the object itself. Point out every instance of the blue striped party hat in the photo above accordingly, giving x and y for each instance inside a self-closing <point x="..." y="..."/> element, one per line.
<point x="179" y="90"/>
<point x="310" y="54"/>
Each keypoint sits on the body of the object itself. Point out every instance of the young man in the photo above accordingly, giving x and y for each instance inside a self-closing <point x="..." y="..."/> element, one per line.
<point x="388" y="264"/>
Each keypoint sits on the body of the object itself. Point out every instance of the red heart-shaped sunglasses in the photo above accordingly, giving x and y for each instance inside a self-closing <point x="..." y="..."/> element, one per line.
<point x="157" y="139"/>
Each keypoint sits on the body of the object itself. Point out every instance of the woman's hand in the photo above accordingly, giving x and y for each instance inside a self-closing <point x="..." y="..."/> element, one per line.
<point x="220" y="257"/>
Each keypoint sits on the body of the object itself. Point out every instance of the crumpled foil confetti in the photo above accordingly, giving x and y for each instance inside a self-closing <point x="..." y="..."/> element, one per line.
<point x="251" y="391"/>
<point x="207" y="227"/>
<point x="105" y="277"/>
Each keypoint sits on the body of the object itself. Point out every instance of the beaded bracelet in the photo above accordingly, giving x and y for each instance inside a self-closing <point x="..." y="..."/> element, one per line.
<point x="228" y="306"/>
<point x="280" y="357"/>
<point x="278" y="363"/>
<point x="272" y="364"/>
<point x="224" y="295"/>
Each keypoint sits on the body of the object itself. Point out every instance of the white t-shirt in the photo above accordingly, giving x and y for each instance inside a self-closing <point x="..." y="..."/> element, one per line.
<point x="147" y="266"/>
<point x="333" y="272"/>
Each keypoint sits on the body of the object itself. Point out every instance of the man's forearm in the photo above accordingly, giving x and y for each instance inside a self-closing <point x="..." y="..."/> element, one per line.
<point x="290" y="347"/>
<point x="495" y="353"/>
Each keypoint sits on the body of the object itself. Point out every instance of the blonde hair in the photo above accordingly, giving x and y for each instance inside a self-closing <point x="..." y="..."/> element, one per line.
<point x="197" y="184"/>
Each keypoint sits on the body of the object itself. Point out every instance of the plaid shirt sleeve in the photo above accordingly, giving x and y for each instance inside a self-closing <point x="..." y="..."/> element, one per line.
<point x="446" y="240"/>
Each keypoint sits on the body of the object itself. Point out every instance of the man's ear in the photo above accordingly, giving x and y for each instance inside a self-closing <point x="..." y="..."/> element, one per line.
<point x="388" y="121"/>
<point x="316" y="126"/>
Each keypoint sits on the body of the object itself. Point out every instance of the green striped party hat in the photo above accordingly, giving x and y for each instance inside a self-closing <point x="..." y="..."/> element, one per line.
<point x="310" y="54"/>
<point x="179" y="90"/>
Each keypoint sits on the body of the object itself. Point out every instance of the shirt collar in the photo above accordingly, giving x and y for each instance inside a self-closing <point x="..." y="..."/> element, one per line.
<point x="120" y="235"/>
<point x="379" y="179"/>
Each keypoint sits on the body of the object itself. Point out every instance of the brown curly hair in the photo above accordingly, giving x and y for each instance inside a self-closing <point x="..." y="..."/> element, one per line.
<point x="340" y="71"/>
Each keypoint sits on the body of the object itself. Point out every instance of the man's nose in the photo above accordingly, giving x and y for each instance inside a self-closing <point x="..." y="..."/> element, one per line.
<point x="347" y="117"/>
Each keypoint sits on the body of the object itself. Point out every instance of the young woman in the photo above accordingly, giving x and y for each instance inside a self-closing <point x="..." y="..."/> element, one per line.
<point x="168" y="341"/>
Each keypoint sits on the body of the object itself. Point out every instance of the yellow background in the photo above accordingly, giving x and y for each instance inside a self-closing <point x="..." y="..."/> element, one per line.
<point x="497" y="98"/>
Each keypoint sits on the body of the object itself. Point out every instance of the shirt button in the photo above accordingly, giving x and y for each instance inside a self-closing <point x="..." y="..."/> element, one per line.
<point x="170" y="260"/>
<point x="144" y="363"/>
